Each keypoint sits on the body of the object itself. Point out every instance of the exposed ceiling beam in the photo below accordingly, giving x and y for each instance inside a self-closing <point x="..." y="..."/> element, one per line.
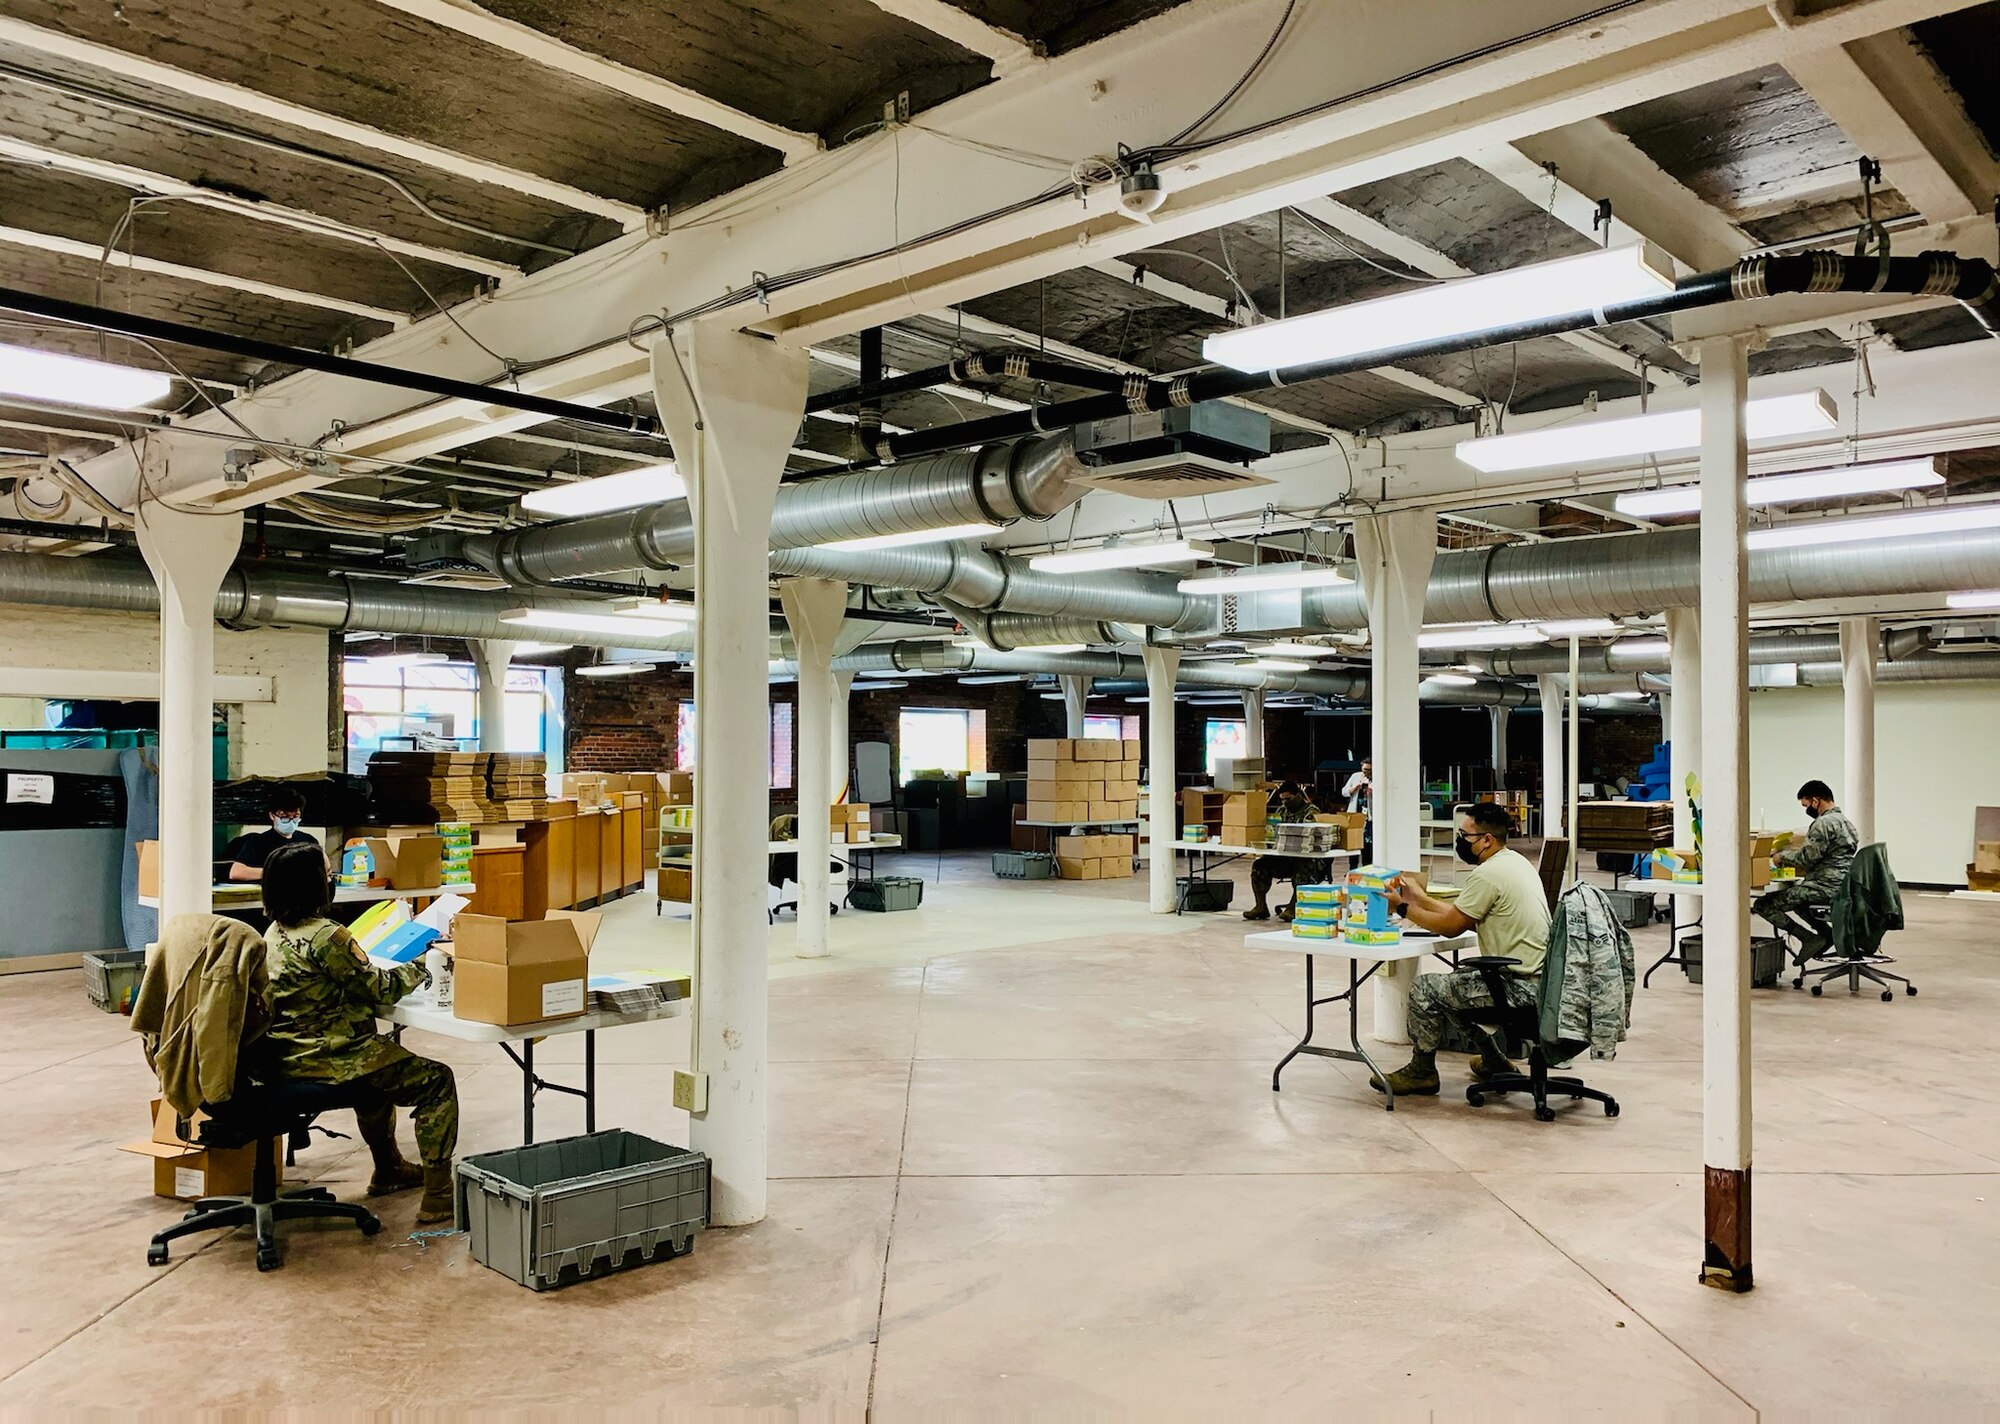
<point x="122" y="261"/>
<point x="1889" y="98"/>
<point x="272" y="109"/>
<point x="260" y="210"/>
<point x="1594" y="161"/>
<point x="539" y="47"/>
<point x="843" y="362"/>
<point x="1424" y="258"/>
<point x="1008" y="51"/>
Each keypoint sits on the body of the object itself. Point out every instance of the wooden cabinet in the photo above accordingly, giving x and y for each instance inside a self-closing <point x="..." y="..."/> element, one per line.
<point x="500" y="873"/>
<point x="573" y="858"/>
<point x="589" y="853"/>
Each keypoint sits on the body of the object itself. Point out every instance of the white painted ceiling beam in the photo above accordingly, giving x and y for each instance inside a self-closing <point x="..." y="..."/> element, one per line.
<point x="122" y="261"/>
<point x="1008" y="51"/>
<point x="539" y="47"/>
<point x="1889" y="98"/>
<point x="852" y="364"/>
<point x="145" y="181"/>
<point x="834" y="214"/>
<point x="258" y="105"/>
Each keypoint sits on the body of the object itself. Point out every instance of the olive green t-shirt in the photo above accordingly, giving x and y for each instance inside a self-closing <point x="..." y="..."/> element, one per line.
<point x="1503" y="894"/>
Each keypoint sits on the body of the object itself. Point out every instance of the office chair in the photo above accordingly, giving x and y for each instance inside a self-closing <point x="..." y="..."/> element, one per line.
<point x="785" y="869"/>
<point x="1866" y="907"/>
<point x="1516" y="1026"/>
<point x="257" y="1113"/>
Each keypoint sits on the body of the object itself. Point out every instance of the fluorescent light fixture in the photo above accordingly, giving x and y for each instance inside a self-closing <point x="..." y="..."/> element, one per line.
<point x="628" y="489"/>
<point x="408" y="659"/>
<point x="614" y="669"/>
<point x="1129" y="555"/>
<point x="1568" y="286"/>
<point x="617" y="625"/>
<point x="537" y="650"/>
<point x="1264" y="577"/>
<point x="1292" y="650"/>
<point x="992" y="679"/>
<point x="1482" y="635"/>
<point x="1640" y="648"/>
<point x="943" y="535"/>
<point x="1579" y="627"/>
<point x="889" y="686"/>
<point x="78" y="380"/>
<point x="1452" y="679"/>
<point x="1989" y="598"/>
<point x="1663" y="432"/>
<point x="655" y="610"/>
<point x="1945" y="519"/>
<point x="1054" y="648"/>
<point x="1281" y="665"/>
<point x="1794" y="488"/>
<point x="1629" y="696"/>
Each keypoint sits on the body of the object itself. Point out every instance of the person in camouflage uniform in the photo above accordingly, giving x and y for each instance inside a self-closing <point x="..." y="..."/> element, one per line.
<point x="1291" y="805"/>
<point x="1821" y="859"/>
<point x="325" y="999"/>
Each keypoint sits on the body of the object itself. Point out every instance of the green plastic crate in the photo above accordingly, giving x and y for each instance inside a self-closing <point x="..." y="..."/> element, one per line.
<point x="886" y="892"/>
<point x="1023" y="865"/>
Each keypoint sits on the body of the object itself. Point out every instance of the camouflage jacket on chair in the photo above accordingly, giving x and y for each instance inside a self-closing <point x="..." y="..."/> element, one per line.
<point x="1587" y="979"/>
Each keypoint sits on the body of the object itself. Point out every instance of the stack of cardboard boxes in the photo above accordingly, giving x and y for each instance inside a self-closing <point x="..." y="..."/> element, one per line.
<point x="518" y="785"/>
<point x="1094" y="857"/>
<point x="848" y="823"/>
<point x="1083" y="780"/>
<point x="430" y="786"/>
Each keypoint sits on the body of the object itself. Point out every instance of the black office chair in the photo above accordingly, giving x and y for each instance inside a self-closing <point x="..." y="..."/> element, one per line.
<point x="784" y="869"/>
<point x="1854" y="931"/>
<point x="257" y="1113"/>
<point x="1519" y="1026"/>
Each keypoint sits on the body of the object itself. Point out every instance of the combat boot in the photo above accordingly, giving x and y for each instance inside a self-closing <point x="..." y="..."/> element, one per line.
<point x="439" y="1201"/>
<point x="1414" y="1079"/>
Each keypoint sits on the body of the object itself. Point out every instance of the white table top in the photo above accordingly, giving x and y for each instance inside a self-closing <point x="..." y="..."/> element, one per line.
<point x="414" y="1013"/>
<point x="1693" y="887"/>
<point x="1229" y="848"/>
<point x="1416" y="944"/>
<point x="241" y="894"/>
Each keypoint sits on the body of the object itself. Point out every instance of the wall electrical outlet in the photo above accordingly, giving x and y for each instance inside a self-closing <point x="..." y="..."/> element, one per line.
<point x="690" y="1091"/>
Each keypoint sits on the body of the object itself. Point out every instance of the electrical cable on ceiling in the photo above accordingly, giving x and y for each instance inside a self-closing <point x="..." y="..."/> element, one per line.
<point x="1249" y="74"/>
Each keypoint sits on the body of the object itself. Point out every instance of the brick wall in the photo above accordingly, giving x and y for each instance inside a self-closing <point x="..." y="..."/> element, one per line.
<point x="623" y="723"/>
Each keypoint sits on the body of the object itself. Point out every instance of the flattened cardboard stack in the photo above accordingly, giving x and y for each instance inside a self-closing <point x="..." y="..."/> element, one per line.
<point x="430" y="786"/>
<point x="518" y="785"/>
<point x="1635" y="826"/>
<point x="1083" y="780"/>
<point x="1094" y="857"/>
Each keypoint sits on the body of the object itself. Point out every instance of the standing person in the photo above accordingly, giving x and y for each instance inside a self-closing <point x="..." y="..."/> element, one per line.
<point x="1360" y="794"/>
<point x="325" y="999"/>
<point x="1293" y="805"/>
<point x="1821" y="859"/>
<point x="247" y="854"/>
<point x="1502" y="899"/>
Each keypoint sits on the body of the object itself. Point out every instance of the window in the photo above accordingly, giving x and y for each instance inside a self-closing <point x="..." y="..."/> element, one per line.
<point x="942" y="739"/>
<point x="1112" y="728"/>
<point x="387" y="705"/>
<point x="1223" y="738"/>
<point x="780" y="751"/>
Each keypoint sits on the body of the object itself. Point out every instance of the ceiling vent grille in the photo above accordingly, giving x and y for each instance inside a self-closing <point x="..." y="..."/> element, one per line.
<point x="459" y="578"/>
<point x="1178" y="476"/>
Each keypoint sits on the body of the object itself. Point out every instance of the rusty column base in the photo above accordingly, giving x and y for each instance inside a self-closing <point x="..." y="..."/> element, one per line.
<point x="1726" y="1224"/>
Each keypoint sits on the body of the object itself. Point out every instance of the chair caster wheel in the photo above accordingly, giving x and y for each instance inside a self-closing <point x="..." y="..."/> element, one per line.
<point x="1799" y="983"/>
<point x="1888" y="996"/>
<point x="1475" y="1097"/>
<point x="156" y="1254"/>
<point x="267" y="1258"/>
<point x="1815" y="991"/>
<point x="370" y="1225"/>
<point x="1611" y="1110"/>
<point x="1910" y="989"/>
<point x="1545" y="1114"/>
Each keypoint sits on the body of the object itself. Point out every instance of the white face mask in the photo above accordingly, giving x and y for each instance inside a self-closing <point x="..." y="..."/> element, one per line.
<point x="286" y="825"/>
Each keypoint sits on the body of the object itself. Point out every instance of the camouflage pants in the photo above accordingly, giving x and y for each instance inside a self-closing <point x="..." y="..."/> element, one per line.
<point x="1780" y="900"/>
<point x="1266" y="870"/>
<point x="412" y="1082"/>
<point x="1434" y="998"/>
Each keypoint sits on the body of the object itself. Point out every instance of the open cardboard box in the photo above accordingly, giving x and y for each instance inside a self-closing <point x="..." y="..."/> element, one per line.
<point x="408" y="863"/>
<point x="523" y="971"/>
<point x="185" y="1172"/>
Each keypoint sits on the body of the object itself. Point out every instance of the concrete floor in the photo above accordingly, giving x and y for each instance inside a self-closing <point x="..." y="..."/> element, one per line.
<point x="1026" y="1156"/>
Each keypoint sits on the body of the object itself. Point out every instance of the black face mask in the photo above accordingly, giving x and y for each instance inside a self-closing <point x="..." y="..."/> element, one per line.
<point x="1812" y="813"/>
<point x="1465" y="851"/>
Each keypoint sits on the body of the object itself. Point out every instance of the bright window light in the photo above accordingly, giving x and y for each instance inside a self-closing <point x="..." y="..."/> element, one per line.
<point x="628" y="489"/>
<point x="1128" y="555"/>
<point x="616" y="624"/>
<point x="614" y="669"/>
<point x="1663" y="432"/>
<point x="1812" y="532"/>
<point x="913" y="536"/>
<point x="77" y="380"/>
<point x="1568" y="286"/>
<point x="1264" y="577"/>
<point x="1579" y="627"/>
<point x="1452" y="679"/>
<point x="1281" y="665"/>
<point x="1989" y="598"/>
<point x="1482" y="635"/>
<point x="1794" y="488"/>
<point x="1630" y="696"/>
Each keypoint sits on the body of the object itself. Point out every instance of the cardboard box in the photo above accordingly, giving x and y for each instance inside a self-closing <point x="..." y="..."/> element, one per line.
<point x="1353" y="826"/>
<point x="1095" y="749"/>
<point x="1129" y="750"/>
<point x="521" y="972"/>
<point x="1045" y="791"/>
<point x="412" y="863"/>
<point x="1075" y="847"/>
<point x="185" y="1172"/>
<point x="677" y="883"/>
<point x="1986" y="857"/>
<point x="1119" y="845"/>
<point x="1116" y="790"/>
<point x="1075" y="868"/>
<point x="149" y="869"/>
<point x="1977" y="879"/>
<point x="1246" y="808"/>
<point x="1064" y="773"/>
<point x="1058" y="811"/>
<point x="1105" y="811"/>
<point x="1050" y="749"/>
<point x="1117" y="867"/>
<point x="674" y="788"/>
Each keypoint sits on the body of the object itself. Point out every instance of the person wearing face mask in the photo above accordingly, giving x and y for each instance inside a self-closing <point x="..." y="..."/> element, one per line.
<point x="1501" y="898"/>
<point x="1821" y="860"/>
<point x="247" y="854"/>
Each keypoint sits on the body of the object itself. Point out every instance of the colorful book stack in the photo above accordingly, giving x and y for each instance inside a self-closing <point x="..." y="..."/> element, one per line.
<point x="1316" y="912"/>
<point x="457" y="859"/>
<point x="1365" y="917"/>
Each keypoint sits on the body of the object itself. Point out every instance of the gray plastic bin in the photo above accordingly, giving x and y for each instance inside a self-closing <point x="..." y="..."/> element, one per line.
<point x="111" y="979"/>
<point x="1635" y="908"/>
<point x="1023" y="865"/>
<point x="581" y="1206"/>
<point x="1767" y="960"/>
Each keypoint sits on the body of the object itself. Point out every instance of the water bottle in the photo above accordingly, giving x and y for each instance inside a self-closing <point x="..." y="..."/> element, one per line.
<point x="438" y="963"/>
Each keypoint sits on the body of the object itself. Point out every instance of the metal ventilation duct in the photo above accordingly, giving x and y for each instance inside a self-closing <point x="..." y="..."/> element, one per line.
<point x="1765" y="648"/>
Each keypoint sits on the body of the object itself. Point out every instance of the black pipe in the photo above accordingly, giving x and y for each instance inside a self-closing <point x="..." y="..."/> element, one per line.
<point x="868" y="422"/>
<point x="178" y="334"/>
<point x="981" y="365"/>
<point x="37" y="529"/>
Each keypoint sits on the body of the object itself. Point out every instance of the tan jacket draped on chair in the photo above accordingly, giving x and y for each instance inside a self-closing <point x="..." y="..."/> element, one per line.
<point x="204" y="995"/>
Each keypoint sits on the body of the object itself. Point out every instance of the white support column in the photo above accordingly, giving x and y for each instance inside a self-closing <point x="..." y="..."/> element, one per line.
<point x="188" y="554"/>
<point x="732" y="404"/>
<point x="1500" y="716"/>
<point x="1253" y="722"/>
<point x="1076" y="701"/>
<point x="492" y="657"/>
<point x="1162" y="794"/>
<point x="1395" y="553"/>
<point x="1725" y="812"/>
<point x="814" y="608"/>
<point x="1555" y="796"/>
<point x="1683" y="714"/>
<point x="1860" y="645"/>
